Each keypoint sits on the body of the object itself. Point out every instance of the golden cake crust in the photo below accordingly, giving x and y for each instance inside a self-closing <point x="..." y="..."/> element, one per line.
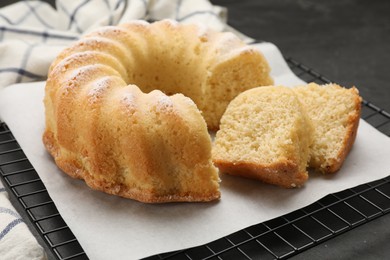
<point x="106" y="123"/>
<point x="350" y="136"/>
<point x="285" y="174"/>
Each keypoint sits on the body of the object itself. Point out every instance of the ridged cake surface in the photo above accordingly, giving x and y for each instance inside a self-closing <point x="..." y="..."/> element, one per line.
<point x="107" y="123"/>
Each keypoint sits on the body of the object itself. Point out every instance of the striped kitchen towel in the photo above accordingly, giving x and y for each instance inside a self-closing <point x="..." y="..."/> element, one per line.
<point x="16" y="240"/>
<point x="33" y="32"/>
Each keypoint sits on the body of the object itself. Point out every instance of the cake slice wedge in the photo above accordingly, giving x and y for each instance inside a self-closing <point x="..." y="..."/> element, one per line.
<point x="335" y="113"/>
<point x="265" y="134"/>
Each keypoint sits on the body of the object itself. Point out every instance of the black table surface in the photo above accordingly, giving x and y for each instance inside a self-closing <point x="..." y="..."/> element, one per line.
<point x="348" y="41"/>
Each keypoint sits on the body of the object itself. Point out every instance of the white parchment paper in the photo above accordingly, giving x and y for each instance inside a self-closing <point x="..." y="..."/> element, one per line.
<point x="110" y="227"/>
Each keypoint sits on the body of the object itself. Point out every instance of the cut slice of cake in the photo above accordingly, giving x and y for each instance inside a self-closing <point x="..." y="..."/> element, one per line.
<point x="265" y="134"/>
<point x="335" y="113"/>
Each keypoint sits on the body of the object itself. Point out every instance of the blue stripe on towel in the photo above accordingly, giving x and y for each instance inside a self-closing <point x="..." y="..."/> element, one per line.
<point x="24" y="73"/>
<point x="180" y="19"/>
<point x="24" y="61"/>
<point x="37" y="33"/>
<point x="36" y="14"/>
<point x="110" y="17"/>
<point x="72" y="16"/>
<point x="119" y="3"/>
<point x="178" y="6"/>
<point x="9" y="227"/>
<point x="9" y="211"/>
<point x="32" y="11"/>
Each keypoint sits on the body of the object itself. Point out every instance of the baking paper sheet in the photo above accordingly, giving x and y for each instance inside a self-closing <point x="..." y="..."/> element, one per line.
<point x="110" y="227"/>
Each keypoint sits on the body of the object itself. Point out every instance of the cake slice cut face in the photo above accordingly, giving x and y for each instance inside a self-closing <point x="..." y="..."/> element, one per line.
<point x="265" y="134"/>
<point x="335" y="113"/>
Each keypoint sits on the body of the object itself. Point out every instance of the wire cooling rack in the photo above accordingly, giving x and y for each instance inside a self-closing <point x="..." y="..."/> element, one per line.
<point x="23" y="183"/>
<point x="278" y="238"/>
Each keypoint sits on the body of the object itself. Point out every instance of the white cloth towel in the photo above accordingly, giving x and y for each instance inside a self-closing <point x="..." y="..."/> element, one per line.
<point x="16" y="241"/>
<point x="32" y="33"/>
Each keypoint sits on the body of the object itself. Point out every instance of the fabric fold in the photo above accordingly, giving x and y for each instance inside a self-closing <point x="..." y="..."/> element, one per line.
<point x="32" y="33"/>
<point x="16" y="240"/>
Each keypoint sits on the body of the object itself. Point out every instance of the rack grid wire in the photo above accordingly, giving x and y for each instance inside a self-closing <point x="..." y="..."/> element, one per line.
<point x="278" y="238"/>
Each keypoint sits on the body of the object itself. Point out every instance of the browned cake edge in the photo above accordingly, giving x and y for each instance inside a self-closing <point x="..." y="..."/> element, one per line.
<point x="350" y="137"/>
<point x="74" y="170"/>
<point x="284" y="173"/>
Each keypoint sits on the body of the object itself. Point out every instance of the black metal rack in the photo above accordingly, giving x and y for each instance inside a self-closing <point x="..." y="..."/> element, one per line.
<point x="24" y="185"/>
<point x="278" y="238"/>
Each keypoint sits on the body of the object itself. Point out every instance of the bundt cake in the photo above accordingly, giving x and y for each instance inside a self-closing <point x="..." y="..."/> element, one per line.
<point x="335" y="113"/>
<point x="106" y="123"/>
<point x="265" y="134"/>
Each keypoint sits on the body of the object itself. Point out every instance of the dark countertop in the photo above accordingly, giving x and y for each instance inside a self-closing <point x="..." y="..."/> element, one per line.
<point x="348" y="41"/>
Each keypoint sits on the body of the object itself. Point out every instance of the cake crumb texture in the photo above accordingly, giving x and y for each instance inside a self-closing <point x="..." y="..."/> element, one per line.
<point x="335" y="113"/>
<point x="265" y="134"/>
